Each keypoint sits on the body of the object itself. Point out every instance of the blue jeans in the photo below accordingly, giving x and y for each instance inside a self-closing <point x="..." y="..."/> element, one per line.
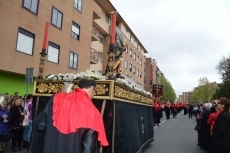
<point x="27" y="132"/>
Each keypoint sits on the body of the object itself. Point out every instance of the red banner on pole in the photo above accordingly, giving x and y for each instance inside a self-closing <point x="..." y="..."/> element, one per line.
<point x="157" y="90"/>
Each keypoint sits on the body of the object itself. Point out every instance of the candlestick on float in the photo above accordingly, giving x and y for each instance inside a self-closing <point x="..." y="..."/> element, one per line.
<point x="43" y="53"/>
<point x="111" y="54"/>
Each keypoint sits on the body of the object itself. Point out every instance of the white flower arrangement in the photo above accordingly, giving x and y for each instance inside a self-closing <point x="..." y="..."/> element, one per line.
<point x="133" y="86"/>
<point x="70" y="77"/>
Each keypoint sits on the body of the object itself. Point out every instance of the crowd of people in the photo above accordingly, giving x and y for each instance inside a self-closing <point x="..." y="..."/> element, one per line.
<point x="15" y="121"/>
<point x="213" y="125"/>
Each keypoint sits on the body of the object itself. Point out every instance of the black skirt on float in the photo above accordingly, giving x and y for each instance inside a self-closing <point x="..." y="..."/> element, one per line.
<point x="3" y="138"/>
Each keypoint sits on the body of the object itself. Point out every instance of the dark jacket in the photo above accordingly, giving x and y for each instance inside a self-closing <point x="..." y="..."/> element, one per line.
<point x="82" y="141"/>
<point x="221" y="133"/>
<point x="16" y="117"/>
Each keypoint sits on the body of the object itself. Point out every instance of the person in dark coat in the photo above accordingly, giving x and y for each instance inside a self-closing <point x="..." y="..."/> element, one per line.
<point x="167" y="110"/>
<point x="73" y="123"/>
<point x="190" y="111"/>
<point x="17" y="114"/>
<point x="220" y="133"/>
<point x="205" y="142"/>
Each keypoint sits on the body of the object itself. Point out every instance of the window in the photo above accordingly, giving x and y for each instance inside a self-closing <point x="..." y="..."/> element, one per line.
<point x="130" y="52"/>
<point x="137" y="59"/>
<point x="78" y="4"/>
<point x="107" y="19"/>
<point x="140" y="74"/>
<point x="100" y="57"/>
<point x="25" y="42"/>
<point x="130" y="67"/>
<point x="31" y="5"/>
<point x="134" y="55"/>
<point x="75" y="31"/>
<point x="137" y="72"/>
<point x="135" y="43"/>
<point x="138" y="47"/>
<point x="101" y="38"/>
<point x="140" y="61"/>
<point x="127" y="48"/>
<point x="126" y="64"/>
<point x="134" y="69"/>
<point x="131" y="38"/>
<point x="127" y="33"/>
<point x="53" y="52"/>
<point x="73" y="60"/>
<point x="56" y="18"/>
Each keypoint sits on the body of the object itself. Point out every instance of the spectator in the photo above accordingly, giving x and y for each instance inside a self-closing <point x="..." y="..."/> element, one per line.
<point x="4" y="114"/>
<point x="17" y="115"/>
<point x="28" y="128"/>
<point x="220" y="133"/>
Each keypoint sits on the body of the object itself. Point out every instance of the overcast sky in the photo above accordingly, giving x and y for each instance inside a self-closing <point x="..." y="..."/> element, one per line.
<point x="186" y="37"/>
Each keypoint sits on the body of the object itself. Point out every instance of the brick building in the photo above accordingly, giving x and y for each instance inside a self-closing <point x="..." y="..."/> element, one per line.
<point x="78" y="40"/>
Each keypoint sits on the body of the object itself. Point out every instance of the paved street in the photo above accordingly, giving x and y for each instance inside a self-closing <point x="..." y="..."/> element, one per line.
<point x="175" y="136"/>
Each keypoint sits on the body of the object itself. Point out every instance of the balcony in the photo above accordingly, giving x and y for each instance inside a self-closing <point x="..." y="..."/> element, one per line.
<point x="95" y="34"/>
<point x="94" y="56"/>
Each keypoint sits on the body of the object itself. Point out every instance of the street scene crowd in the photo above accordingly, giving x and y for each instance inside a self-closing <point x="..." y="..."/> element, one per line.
<point x="15" y="121"/>
<point x="212" y="122"/>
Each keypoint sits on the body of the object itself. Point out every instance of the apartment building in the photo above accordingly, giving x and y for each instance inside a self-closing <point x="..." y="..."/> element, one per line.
<point x="185" y="97"/>
<point x="152" y="74"/>
<point x="78" y="40"/>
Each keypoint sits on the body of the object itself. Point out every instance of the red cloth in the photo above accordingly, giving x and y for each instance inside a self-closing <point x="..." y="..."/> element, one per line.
<point x="76" y="110"/>
<point x="211" y="120"/>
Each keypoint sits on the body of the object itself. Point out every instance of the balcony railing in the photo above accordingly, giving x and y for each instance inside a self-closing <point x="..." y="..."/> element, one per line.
<point x="94" y="56"/>
<point x="95" y="33"/>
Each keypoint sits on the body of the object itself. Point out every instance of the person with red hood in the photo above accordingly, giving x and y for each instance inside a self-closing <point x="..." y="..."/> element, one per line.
<point x="73" y="123"/>
<point x="167" y="110"/>
<point x="156" y="112"/>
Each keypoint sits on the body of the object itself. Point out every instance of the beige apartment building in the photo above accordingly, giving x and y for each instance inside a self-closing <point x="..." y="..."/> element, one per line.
<point x="78" y="40"/>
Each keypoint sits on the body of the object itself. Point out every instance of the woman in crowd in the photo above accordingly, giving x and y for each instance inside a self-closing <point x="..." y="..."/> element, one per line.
<point x="4" y="118"/>
<point x="221" y="129"/>
<point x="17" y="115"/>
<point x="205" y="142"/>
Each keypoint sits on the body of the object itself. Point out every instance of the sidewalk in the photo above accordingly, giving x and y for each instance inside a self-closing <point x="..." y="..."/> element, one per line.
<point x="8" y="149"/>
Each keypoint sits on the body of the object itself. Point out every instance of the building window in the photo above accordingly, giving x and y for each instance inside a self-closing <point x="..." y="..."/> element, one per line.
<point x="75" y="31"/>
<point x="53" y="52"/>
<point x="100" y="57"/>
<point x="140" y="61"/>
<point x="73" y="60"/>
<point x="134" y="55"/>
<point x="137" y="72"/>
<point x="101" y="38"/>
<point x="137" y="59"/>
<point x="138" y="47"/>
<point x="127" y="33"/>
<point x="130" y="67"/>
<point x="57" y="18"/>
<point x="31" y="5"/>
<point x="131" y="38"/>
<point x="78" y="4"/>
<point x="140" y="74"/>
<point x="127" y="48"/>
<point x="135" y="43"/>
<point x="107" y="19"/>
<point x="130" y="52"/>
<point x="134" y="69"/>
<point x="25" y="42"/>
<point x="126" y="64"/>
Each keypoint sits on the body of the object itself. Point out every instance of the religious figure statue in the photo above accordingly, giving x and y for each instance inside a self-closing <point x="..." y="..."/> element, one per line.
<point x="115" y="60"/>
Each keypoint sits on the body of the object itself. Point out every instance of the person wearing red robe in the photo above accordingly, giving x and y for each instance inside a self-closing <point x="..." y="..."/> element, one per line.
<point x="167" y="110"/>
<point x="73" y="123"/>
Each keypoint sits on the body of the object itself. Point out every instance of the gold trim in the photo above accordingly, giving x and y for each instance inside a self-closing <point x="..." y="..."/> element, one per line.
<point x="112" y="84"/>
<point x="144" y="145"/>
<point x="35" y="114"/>
<point x="114" y="118"/>
<point x="102" y="114"/>
<point x="103" y="108"/>
<point x="132" y="102"/>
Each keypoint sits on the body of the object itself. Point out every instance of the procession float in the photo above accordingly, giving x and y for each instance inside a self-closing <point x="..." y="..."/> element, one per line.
<point x="126" y="108"/>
